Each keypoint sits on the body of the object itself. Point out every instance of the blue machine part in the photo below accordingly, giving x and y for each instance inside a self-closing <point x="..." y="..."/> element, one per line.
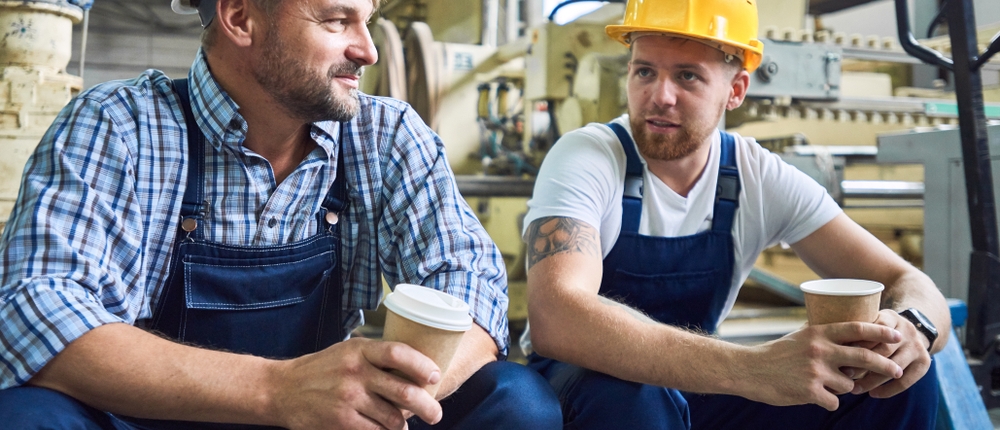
<point x="83" y="4"/>
<point x="959" y="312"/>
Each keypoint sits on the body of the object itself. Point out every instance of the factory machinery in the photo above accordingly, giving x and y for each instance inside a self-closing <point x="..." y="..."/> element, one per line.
<point x="500" y="83"/>
<point x="34" y="86"/>
<point x="841" y="107"/>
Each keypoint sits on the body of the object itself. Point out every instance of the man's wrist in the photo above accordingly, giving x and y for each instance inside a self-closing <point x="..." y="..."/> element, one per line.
<point x="922" y="323"/>
<point x="266" y="397"/>
<point x="733" y="369"/>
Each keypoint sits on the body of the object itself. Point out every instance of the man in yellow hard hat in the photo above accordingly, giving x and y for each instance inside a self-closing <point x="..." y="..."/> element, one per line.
<point x="196" y="251"/>
<point x="641" y="231"/>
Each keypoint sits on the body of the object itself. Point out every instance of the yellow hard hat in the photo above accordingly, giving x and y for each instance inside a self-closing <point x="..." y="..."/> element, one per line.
<point x="727" y="22"/>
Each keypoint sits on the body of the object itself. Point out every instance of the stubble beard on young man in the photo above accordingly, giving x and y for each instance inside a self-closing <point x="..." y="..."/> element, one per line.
<point x="664" y="147"/>
<point x="301" y="92"/>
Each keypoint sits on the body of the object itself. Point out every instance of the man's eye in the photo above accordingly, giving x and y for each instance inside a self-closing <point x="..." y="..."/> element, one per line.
<point x="643" y="72"/>
<point x="688" y="76"/>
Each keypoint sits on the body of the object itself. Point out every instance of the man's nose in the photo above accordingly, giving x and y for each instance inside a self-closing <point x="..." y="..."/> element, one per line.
<point x="664" y="93"/>
<point x="362" y="51"/>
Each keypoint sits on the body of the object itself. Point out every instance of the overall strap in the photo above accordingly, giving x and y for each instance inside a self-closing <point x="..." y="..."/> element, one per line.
<point x="632" y="199"/>
<point x="727" y="191"/>
<point x="336" y="198"/>
<point x="192" y="208"/>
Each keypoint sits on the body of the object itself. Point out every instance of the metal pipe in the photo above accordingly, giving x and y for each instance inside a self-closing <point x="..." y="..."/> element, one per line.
<point x="984" y="270"/>
<point x="491" y="18"/>
<point x="990" y="50"/>
<point x="882" y="189"/>
<point x="517" y="186"/>
<point x="910" y="44"/>
<point x="533" y="13"/>
<point x="494" y="186"/>
<point x="83" y="39"/>
<point x="894" y="57"/>
<point x="513" y="21"/>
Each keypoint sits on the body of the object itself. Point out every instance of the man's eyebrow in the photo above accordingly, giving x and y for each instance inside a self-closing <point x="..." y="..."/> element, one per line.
<point x="691" y="66"/>
<point x="683" y="66"/>
<point x="341" y="9"/>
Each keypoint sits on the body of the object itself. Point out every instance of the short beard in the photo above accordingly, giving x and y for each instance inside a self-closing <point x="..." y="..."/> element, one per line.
<point x="302" y="93"/>
<point x="686" y="141"/>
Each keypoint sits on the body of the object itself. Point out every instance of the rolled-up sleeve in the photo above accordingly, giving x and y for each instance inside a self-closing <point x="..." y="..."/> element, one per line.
<point x="435" y="238"/>
<point x="73" y="241"/>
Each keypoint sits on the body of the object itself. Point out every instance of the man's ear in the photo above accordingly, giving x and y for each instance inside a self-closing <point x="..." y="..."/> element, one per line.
<point x="235" y="21"/>
<point x="740" y="85"/>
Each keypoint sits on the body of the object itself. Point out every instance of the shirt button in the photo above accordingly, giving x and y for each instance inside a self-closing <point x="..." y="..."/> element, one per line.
<point x="272" y="222"/>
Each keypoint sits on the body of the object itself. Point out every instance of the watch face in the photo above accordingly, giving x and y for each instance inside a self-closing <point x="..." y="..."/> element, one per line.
<point x="922" y="323"/>
<point x="923" y="319"/>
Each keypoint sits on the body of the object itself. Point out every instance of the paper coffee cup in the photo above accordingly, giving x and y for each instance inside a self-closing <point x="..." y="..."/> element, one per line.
<point x="428" y="320"/>
<point x="841" y="300"/>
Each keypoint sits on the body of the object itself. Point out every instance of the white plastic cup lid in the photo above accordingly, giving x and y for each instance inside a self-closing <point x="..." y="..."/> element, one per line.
<point x="429" y="307"/>
<point x="842" y="287"/>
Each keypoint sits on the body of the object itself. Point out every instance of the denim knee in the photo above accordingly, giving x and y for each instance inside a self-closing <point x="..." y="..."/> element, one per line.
<point x="27" y="408"/>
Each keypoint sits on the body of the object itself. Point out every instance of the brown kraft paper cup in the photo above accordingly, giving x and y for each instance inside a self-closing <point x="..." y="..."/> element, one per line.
<point x="826" y="309"/>
<point x="430" y="321"/>
<point x="438" y="345"/>
<point x="831" y="301"/>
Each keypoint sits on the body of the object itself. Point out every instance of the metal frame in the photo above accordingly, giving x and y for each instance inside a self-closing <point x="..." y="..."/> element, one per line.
<point x="984" y="266"/>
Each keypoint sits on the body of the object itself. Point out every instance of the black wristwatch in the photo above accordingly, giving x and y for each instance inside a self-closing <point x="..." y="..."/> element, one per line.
<point x="922" y="323"/>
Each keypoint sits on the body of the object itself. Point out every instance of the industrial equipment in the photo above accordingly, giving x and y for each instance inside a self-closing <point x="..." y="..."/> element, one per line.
<point x="500" y="83"/>
<point x="34" y="84"/>
<point x="966" y="63"/>
<point x="820" y="99"/>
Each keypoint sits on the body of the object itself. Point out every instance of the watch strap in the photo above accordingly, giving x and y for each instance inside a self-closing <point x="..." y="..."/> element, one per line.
<point x="922" y="324"/>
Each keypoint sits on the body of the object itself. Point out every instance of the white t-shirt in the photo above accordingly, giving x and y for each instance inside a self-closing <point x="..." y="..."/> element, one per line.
<point x="583" y="175"/>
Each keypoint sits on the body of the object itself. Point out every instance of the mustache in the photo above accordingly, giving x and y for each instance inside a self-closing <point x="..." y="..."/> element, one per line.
<point x="656" y="112"/>
<point x="345" y="68"/>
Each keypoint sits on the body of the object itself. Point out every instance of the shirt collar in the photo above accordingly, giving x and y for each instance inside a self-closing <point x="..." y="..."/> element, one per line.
<point x="218" y="115"/>
<point x="326" y="135"/>
<point x="215" y="112"/>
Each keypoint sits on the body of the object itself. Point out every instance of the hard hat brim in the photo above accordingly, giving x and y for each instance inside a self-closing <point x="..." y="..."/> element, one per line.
<point x="753" y="53"/>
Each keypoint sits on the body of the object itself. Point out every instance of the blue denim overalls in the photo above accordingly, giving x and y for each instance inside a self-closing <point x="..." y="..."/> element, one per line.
<point x="685" y="281"/>
<point x="276" y="301"/>
<point x="681" y="281"/>
<point x="279" y="301"/>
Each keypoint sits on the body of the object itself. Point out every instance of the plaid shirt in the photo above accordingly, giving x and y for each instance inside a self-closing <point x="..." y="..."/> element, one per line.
<point x="90" y="239"/>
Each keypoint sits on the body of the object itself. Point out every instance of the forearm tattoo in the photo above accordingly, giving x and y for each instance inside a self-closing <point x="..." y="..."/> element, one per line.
<point x="554" y="235"/>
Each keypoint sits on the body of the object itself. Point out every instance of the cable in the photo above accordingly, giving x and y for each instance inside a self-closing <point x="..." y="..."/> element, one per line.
<point x="938" y="19"/>
<point x="553" y="124"/>
<point x="552" y="14"/>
